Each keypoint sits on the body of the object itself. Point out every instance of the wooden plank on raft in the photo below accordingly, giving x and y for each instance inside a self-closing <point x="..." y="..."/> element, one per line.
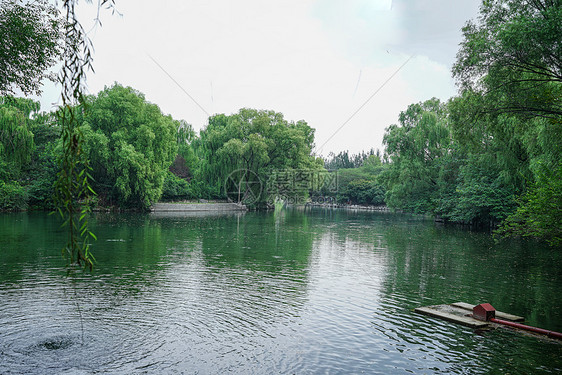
<point x="459" y="319"/>
<point x="499" y="314"/>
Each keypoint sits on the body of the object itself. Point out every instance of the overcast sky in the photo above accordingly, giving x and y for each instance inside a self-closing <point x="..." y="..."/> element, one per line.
<point x="312" y="60"/>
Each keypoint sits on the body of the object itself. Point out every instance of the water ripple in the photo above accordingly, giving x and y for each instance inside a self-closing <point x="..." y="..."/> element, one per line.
<point x="296" y="294"/>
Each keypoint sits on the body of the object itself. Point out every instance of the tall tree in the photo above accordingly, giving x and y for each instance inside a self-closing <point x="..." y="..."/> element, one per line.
<point x="415" y="148"/>
<point x="259" y="142"/>
<point x="16" y="139"/>
<point x="493" y="163"/>
<point x="30" y="44"/>
<point x="513" y="55"/>
<point x="510" y="62"/>
<point x="16" y="147"/>
<point x="130" y="144"/>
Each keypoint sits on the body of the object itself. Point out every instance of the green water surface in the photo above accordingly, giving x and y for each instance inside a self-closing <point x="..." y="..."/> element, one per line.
<point x="295" y="291"/>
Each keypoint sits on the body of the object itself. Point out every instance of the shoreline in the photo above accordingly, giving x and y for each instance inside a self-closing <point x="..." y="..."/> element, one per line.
<point x="197" y="207"/>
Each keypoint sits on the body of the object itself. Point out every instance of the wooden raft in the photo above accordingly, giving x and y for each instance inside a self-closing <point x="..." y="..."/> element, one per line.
<point x="461" y="313"/>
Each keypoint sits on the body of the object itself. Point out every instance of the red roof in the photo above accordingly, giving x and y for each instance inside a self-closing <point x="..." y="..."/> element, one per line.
<point x="486" y="307"/>
<point x="484" y="311"/>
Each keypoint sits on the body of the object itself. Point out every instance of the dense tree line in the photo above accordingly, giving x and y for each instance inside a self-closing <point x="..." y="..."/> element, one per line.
<point x="431" y="171"/>
<point x="493" y="154"/>
<point x="358" y="177"/>
<point x="136" y="155"/>
<point x="128" y="142"/>
<point x="345" y="160"/>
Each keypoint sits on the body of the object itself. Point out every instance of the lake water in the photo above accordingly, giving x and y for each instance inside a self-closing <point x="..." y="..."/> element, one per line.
<point x="292" y="292"/>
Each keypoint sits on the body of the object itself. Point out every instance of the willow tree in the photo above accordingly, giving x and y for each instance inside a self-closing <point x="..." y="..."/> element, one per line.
<point x="256" y="142"/>
<point x="16" y="141"/>
<point x="416" y="147"/>
<point x="540" y="214"/>
<point x="16" y="146"/>
<point x="493" y="161"/>
<point x="130" y="145"/>
<point x="512" y="55"/>
<point x="72" y="190"/>
<point x="30" y="44"/>
<point x="510" y="65"/>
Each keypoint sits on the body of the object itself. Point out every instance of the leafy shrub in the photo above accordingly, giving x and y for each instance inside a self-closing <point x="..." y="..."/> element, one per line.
<point x="13" y="197"/>
<point x="540" y="214"/>
<point x="176" y="188"/>
<point x="363" y="191"/>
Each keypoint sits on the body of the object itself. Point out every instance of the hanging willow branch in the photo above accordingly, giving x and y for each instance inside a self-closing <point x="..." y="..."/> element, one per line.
<point x="72" y="190"/>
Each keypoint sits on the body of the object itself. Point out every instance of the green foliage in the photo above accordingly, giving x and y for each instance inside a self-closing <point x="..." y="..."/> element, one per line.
<point x="25" y="105"/>
<point x="16" y="142"/>
<point x="13" y="197"/>
<point x="73" y="192"/>
<point x="43" y="172"/>
<point x="343" y="160"/>
<point x="483" y="198"/>
<point x="373" y="164"/>
<point x="186" y="162"/>
<point x="461" y="168"/>
<point x="513" y="55"/>
<point x="508" y="119"/>
<point x="540" y="213"/>
<point x="176" y="188"/>
<point x="261" y="142"/>
<point x="28" y="157"/>
<point x="16" y="148"/>
<point x="360" y="185"/>
<point x="30" y="44"/>
<point x="415" y="148"/>
<point x="492" y="162"/>
<point x="130" y="145"/>
<point x="543" y="142"/>
<point x="363" y="191"/>
<point x="469" y="160"/>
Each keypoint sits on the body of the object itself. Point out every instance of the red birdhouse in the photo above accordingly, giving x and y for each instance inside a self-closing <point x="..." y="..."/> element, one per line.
<point x="484" y="311"/>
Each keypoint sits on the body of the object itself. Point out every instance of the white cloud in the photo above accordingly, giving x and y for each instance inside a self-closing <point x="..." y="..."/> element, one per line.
<point x="312" y="60"/>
